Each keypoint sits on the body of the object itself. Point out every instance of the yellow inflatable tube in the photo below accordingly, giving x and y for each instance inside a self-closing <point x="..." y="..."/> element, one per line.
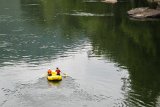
<point x="54" y="77"/>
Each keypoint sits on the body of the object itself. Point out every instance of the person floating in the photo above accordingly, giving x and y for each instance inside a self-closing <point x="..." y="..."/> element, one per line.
<point x="49" y="72"/>
<point x="57" y="71"/>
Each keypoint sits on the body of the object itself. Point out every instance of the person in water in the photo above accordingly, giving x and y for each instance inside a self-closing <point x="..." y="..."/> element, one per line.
<point x="49" y="72"/>
<point x="58" y="71"/>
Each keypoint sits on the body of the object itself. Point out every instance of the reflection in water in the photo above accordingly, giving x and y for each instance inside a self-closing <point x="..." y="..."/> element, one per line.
<point x="47" y="30"/>
<point x="136" y="49"/>
<point x="54" y="83"/>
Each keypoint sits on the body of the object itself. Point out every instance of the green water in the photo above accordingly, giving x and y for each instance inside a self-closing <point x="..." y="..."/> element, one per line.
<point x="110" y="59"/>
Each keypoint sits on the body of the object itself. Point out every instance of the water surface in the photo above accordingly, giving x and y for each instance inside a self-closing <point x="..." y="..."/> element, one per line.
<point x="110" y="60"/>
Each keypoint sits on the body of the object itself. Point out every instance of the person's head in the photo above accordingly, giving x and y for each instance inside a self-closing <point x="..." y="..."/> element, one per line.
<point x="57" y="68"/>
<point x="49" y="70"/>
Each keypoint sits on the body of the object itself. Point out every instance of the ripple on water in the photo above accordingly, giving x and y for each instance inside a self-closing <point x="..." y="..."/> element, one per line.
<point x="10" y="19"/>
<point x="32" y="5"/>
<point x="1" y="34"/>
<point x="43" y="93"/>
<point x="87" y="14"/>
<point x="134" y="99"/>
<point x="4" y="18"/>
<point x="4" y="44"/>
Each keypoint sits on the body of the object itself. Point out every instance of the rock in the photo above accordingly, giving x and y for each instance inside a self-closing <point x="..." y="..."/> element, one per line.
<point x="110" y="1"/>
<point x="137" y="10"/>
<point x="153" y="0"/>
<point x="144" y="12"/>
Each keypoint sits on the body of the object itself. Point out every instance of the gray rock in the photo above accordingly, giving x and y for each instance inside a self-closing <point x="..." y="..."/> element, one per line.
<point x="144" y="12"/>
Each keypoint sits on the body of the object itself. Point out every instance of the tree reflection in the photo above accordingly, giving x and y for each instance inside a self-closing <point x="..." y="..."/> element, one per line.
<point x="134" y="45"/>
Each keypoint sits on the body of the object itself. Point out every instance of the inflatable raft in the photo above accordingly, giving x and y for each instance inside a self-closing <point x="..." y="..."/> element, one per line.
<point x="54" y="77"/>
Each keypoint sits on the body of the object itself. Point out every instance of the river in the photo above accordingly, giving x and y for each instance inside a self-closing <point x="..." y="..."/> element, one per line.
<point x="110" y="59"/>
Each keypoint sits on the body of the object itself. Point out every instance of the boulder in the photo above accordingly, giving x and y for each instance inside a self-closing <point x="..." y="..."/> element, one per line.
<point x="144" y="12"/>
<point x="110" y="1"/>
